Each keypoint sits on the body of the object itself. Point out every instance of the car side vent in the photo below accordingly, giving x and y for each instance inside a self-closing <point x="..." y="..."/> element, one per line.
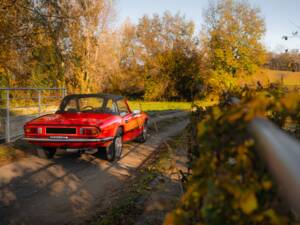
<point x="58" y="130"/>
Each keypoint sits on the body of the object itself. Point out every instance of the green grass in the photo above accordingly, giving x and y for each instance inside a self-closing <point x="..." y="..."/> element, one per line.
<point x="159" y="106"/>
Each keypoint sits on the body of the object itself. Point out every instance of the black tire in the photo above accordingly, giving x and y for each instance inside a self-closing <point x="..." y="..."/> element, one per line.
<point x="143" y="136"/>
<point x="114" y="150"/>
<point x="49" y="152"/>
<point x="79" y="153"/>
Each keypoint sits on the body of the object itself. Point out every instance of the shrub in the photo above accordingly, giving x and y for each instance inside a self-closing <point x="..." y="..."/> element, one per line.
<point x="229" y="183"/>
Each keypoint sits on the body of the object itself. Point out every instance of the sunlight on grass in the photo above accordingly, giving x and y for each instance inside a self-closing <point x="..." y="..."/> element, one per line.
<point x="159" y="106"/>
<point x="6" y="152"/>
<point x="287" y="77"/>
<point x="206" y="103"/>
<point x="266" y="76"/>
<point x="9" y="153"/>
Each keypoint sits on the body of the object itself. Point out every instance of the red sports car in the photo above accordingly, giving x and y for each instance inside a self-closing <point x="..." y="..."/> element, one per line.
<point x="88" y="121"/>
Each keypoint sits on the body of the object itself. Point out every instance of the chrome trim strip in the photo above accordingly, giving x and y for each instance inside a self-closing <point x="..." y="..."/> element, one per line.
<point x="72" y="140"/>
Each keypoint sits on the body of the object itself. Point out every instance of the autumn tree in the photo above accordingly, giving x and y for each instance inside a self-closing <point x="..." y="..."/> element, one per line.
<point x="16" y="33"/>
<point x="55" y="43"/>
<point x="288" y="61"/>
<point x="169" y="57"/>
<point x="231" y="39"/>
<point x="131" y="67"/>
<point x="92" y="46"/>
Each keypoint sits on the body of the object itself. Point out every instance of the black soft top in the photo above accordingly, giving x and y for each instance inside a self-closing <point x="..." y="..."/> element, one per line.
<point x="101" y="95"/>
<point x="105" y="97"/>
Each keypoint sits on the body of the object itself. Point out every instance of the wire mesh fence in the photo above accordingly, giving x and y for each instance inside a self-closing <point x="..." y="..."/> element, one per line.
<point x="19" y="105"/>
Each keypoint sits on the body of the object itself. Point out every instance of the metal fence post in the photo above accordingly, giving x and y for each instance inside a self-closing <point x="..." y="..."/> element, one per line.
<point x="7" y="127"/>
<point x="39" y="101"/>
<point x="64" y="92"/>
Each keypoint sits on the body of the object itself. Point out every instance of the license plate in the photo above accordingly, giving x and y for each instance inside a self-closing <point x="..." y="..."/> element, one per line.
<point x="58" y="137"/>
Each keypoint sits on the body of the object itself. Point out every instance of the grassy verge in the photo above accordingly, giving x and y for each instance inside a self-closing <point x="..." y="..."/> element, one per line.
<point x="159" y="106"/>
<point x="129" y="205"/>
<point x="9" y="153"/>
<point x="16" y="151"/>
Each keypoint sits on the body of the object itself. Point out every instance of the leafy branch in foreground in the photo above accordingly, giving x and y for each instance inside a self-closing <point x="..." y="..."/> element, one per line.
<point x="229" y="183"/>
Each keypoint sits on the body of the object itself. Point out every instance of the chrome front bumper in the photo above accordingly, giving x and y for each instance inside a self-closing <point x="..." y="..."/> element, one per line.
<point x="69" y="140"/>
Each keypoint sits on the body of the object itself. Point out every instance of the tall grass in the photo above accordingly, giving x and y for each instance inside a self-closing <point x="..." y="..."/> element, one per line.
<point x="159" y="106"/>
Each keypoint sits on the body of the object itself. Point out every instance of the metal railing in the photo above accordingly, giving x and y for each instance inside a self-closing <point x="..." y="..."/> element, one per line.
<point x="281" y="152"/>
<point x="19" y="105"/>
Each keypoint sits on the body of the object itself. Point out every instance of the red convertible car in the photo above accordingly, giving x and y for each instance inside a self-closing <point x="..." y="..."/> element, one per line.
<point x="88" y="121"/>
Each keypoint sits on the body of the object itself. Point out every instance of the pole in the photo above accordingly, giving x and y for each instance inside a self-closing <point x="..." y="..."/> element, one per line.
<point x="64" y="92"/>
<point x="39" y="101"/>
<point x="7" y="127"/>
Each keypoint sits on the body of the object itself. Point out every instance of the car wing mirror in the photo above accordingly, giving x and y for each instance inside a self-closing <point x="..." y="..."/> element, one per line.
<point x="122" y="114"/>
<point x="136" y="112"/>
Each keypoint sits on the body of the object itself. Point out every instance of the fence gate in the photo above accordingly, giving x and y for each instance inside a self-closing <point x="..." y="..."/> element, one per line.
<point x="19" y="105"/>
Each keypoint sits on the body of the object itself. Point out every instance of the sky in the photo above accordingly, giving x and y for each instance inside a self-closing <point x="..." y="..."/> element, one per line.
<point x="282" y="16"/>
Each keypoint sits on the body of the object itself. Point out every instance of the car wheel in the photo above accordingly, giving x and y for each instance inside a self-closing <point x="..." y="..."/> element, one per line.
<point x="79" y="153"/>
<point x="48" y="153"/>
<point x="114" y="150"/>
<point x="143" y="136"/>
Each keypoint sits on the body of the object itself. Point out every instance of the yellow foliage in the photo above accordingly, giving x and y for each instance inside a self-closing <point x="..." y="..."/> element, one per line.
<point x="267" y="185"/>
<point x="248" y="202"/>
<point x="229" y="184"/>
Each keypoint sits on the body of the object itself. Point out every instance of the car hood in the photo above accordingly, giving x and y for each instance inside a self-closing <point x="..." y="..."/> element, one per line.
<point x="92" y="119"/>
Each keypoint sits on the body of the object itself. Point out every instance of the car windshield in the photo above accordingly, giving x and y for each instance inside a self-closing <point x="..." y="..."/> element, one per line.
<point x="89" y="104"/>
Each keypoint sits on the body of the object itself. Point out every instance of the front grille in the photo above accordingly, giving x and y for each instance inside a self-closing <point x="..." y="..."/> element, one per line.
<point x="58" y="130"/>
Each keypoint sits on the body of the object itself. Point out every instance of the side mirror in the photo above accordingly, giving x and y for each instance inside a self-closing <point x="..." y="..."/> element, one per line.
<point x="136" y="112"/>
<point x="122" y="114"/>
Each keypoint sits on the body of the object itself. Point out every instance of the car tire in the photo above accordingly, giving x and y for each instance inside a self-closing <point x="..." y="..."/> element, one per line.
<point x="143" y="136"/>
<point x="79" y="153"/>
<point x="114" y="150"/>
<point x="48" y="153"/>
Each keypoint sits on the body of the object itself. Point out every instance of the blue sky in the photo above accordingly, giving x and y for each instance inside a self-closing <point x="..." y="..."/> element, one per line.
<point x="282" y="16"/>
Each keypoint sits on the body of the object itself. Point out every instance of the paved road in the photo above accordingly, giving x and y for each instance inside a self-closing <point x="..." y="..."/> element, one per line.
<point x="37" y="191"/>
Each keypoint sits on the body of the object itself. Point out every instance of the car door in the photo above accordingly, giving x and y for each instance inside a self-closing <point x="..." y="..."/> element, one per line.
<point x="131" y="124"/>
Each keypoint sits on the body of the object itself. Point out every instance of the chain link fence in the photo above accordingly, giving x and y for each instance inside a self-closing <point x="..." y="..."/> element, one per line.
<point x="19" y="105"/>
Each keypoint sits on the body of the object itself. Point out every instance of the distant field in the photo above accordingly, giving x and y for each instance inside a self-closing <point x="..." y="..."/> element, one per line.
<point x="159" y="106"/>
<point x="266" y="76"/>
